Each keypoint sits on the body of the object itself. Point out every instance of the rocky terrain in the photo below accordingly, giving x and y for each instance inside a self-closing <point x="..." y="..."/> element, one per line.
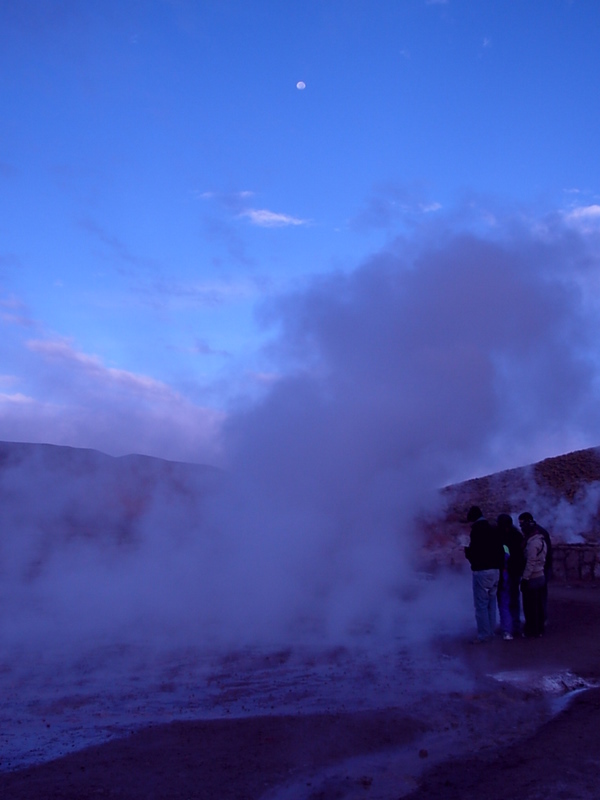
<point x="517" y="719"/>
<point x="563" y="494"/>
<point x="377" y="719"/>
<point x="557" y="482"/>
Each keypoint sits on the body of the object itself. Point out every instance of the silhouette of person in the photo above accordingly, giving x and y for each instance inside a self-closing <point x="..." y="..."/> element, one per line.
<point x="509" y="595"/>
<point x="486" y="557"/>
<point x="538" y="568"/>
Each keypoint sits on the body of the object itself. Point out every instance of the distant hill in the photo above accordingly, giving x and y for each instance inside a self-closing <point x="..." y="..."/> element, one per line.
<point x="564" y="479"/>
<point x="562" y="493"/>
<point x="72" y="460"/>
<point x="50" y="493"/>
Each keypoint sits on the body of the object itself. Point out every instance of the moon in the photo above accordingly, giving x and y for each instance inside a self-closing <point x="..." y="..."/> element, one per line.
<point x="300" y="85"/>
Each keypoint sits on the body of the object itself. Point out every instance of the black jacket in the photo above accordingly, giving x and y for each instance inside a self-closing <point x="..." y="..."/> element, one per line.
<point x="485" y="550"/>
<point x="513" y="539"/>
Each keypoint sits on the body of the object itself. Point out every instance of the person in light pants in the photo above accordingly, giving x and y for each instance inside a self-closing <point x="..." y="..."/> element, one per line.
<point x="486" y="557"/>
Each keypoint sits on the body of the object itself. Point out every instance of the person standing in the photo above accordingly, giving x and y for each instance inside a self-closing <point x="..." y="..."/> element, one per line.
<point x="529" y="525"/>
<point x="486" y="557"/>
<point x="533" y="582"/>
<point x="509" y="595"/>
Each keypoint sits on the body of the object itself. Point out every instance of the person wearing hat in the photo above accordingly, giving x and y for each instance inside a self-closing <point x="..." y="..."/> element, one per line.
<point x="486" y="557"/>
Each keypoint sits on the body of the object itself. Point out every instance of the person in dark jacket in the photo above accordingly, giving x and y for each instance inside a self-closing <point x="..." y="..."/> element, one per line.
<point x="486" y="556"/>
<point x="509" y="596"/>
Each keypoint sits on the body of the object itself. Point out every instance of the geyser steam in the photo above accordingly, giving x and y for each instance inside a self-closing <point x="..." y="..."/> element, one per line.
<point x="428" y="361"/>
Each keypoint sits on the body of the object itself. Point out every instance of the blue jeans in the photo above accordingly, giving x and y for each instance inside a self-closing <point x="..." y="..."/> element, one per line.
<point x="485" y="589"/>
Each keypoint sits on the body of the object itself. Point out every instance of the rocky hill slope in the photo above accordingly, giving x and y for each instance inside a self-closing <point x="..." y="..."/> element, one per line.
<point x="563" y="494"/>
<point x="50" y="493"/>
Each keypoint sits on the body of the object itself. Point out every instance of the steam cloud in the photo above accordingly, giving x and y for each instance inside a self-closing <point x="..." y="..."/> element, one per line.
<point x="439" y="357"/>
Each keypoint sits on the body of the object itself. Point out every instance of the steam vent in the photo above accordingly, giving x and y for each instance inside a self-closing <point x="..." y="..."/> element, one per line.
<point x="563" y="494"/>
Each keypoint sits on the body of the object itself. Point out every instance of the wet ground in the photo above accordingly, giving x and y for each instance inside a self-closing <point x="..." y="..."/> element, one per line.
<point x="370" y="719"/>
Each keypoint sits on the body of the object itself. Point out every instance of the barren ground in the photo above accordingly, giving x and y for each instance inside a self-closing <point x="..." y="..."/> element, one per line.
<point x="493" y="721"/>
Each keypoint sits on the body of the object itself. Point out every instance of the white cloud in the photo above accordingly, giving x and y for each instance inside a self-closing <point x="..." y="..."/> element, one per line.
<point x="225" y="197"/>
<point x="585" y="212"/>
<point x="426" y="208"/>
<point x="270" y="219"/>
<point x="585" y="218"/>
<point x="14" y="312"/>
<point x="16" y="319"/>
<point x="71" y="397"/>
<point x="236" y="203"/>
<point x="60" y="349"/>
<point x="51" y="391"/>
<point x="15" y="398"/>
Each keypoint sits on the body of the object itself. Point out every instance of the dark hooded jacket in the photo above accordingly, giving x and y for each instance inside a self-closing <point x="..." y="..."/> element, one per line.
<point x="485" y="550"/>
<point x="512" y="538"/>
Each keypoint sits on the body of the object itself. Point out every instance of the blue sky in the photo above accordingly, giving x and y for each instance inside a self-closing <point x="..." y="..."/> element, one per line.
<point x="163" y="181"/>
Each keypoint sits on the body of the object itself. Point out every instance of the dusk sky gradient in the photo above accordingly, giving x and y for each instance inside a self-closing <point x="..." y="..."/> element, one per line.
<point x="185" y="235"/>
